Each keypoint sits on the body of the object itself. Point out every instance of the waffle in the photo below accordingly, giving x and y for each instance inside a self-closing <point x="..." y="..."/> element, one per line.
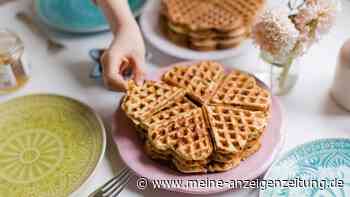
<point x="189" y="169"/>
<point x="200" y="80"/>
<point x="232" y="127"/>
<point x="251" y="148"/>
<point x="225" y="158"/>
<point x="214" y="136"/>
<point x="154" y="154"/>
<point x="141" y="102"/>
<point x="175" y="76"/>
<point x="213" y="44"/>
<point x="222" y="167"/>
<point x="249" y="9"/>
<point x="209" y="24"/>
<point x="190" y="163"/>
<point x="240" y="89"/>
<point x="204" y="34"/>
<point x="182" y="105"/>
<point x="197" y="15"/>
<point x="206" y="40"/>
<point x="187" y="136"/>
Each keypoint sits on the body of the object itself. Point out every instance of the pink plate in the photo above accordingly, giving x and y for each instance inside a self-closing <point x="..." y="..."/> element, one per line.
<point x="131" y="152"/>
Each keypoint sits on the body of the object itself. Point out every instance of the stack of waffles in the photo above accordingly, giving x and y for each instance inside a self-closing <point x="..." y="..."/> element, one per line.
<point x="207" y="25"/>
<point x="198" y="119"/>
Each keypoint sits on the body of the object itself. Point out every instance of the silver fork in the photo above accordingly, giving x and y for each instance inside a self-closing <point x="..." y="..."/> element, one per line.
<point x="114" y="186"/>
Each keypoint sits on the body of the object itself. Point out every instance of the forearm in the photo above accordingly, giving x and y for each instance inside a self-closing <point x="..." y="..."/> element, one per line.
<point x="118" y="14"/>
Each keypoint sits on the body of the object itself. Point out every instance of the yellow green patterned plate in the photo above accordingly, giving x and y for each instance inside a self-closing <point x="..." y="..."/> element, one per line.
<point x="49" y="145"/>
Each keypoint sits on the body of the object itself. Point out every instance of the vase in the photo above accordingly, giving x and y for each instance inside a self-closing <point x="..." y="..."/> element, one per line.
<point x="281" y="77"/>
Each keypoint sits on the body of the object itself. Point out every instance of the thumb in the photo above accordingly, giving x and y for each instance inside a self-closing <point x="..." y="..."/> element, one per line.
<point x="111" y="75"/>
<point x="136" y="64"/>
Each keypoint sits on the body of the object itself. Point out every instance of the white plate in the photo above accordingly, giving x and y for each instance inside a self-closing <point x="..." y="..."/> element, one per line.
<point x="149" y="22"/>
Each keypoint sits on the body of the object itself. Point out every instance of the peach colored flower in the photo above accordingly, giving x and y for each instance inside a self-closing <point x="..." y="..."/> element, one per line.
<point x="315" y="18"/>
<point x="275" y="33"/>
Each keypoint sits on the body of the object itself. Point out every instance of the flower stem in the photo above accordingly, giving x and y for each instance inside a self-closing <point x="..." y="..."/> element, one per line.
<point x="285" y="72"/>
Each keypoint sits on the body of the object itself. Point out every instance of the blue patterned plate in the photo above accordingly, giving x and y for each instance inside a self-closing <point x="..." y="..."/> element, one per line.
<point x="316" y="169"/>
<point x="77" y="16"/>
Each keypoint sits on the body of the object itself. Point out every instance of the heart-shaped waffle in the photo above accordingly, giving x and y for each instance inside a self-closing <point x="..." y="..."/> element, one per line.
<point x="232" y="128"/>
<point x="200" y="80"/>
<point x="141" y="102"/>
<point x="187" y="136"/>
<point x="240" y="89"/>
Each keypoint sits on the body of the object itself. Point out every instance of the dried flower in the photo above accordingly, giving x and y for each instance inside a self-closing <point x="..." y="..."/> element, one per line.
<point x="275" y="33"/>
<point x="315" y="18"/>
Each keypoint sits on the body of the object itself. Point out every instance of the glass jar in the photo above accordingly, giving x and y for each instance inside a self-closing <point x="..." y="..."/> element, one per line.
<point x="280" y="77"/>
<point x="13" y="70"/>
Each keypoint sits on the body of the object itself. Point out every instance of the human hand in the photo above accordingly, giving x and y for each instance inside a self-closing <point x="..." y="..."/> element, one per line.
<point x="125" y="56"/>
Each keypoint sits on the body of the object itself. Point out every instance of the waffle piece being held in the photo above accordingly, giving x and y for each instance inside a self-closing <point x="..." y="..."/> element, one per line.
<point x="141" y="102"/>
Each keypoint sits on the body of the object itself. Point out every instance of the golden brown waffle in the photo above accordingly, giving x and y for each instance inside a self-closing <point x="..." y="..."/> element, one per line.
<point x="215" y="137"/>
<point x="199" y="15"/>
<point x="200" y="80"/>
<point x="203" y="34"/>
<point x="182" y="105"/>
<point x="154" y="154"/>
<point x="141" y="102"/>
<point x="175" y="76"/>
<point x="190" y="163"/>
<point x="251" y="148"/>
<point x="225" y="158"/>
<point x="232" y="127"/>
<point x="213" y="44"/>
<point x="187" y="136"/>
<point x="249" y="9"/>
<point x="219" y="24"/>
<point x="222" y="167"/>
<point x="206" y="40"/>
<point x="240" y="89"/>
<point x="189" y="169"/>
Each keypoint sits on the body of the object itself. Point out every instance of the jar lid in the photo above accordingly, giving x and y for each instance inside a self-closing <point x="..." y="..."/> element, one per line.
<point x="9" y="42"/>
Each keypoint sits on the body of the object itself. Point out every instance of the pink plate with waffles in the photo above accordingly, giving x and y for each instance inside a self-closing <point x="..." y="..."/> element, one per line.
<point x="131" y="151"/>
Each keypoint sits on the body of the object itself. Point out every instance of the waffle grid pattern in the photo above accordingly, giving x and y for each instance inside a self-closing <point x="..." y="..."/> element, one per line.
<point x="199" y="132"/>
<point x="207" y="25"/>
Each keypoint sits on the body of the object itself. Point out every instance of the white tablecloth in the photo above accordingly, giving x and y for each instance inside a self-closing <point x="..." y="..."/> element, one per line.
<point x="309" y="112"/>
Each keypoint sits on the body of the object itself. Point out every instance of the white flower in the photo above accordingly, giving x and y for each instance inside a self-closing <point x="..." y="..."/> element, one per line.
<point x="275" y="33"/>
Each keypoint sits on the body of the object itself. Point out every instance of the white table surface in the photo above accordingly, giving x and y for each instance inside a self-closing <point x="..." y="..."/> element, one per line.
<point x="309" y="112"/>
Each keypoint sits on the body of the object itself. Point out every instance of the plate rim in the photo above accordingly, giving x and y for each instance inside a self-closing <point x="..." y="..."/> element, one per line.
<point x="78" y="189"/>
<point x="263" y="169"/>
<point x="294" y="149"/>
<point x="163" y="43"/>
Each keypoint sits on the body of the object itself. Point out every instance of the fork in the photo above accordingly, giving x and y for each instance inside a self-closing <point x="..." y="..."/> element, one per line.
<point x="114" y="186"/>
